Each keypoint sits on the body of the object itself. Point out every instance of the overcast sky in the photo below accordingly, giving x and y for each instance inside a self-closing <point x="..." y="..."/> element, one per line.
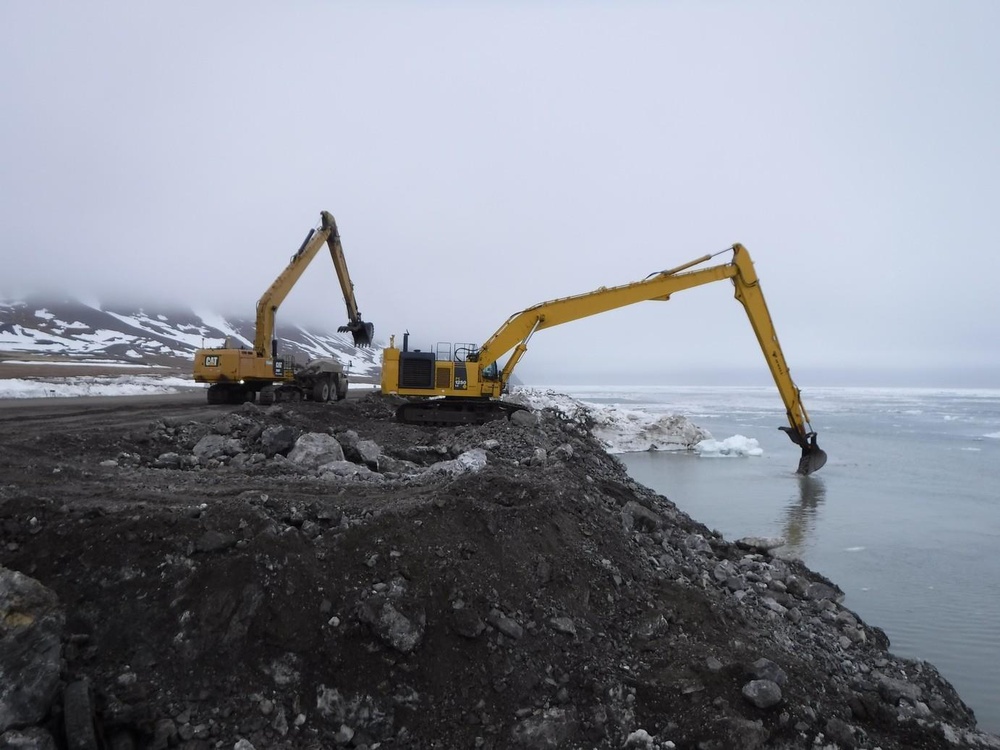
<point x="483" y="157"/>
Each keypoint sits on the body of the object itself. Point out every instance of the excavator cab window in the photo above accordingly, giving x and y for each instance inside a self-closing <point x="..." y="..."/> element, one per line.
<point x="491" y="373"/>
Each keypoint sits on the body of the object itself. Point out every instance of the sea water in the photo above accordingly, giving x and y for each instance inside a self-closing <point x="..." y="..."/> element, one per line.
<point x="904" y="517"/>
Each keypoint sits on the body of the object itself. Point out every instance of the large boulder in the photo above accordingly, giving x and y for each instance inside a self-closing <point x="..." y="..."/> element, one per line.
<point x="314" y="449"/>
<point x="31" y="628"/>
<point x="216" y="446"/>
<point x="277" y="439"/>
<point x="470" y="461"/>
<point x="366" y="452"/>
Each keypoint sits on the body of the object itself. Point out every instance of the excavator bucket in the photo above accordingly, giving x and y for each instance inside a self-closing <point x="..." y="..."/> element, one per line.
<point x="364" y="333"/>
<point x="813" y="457"/>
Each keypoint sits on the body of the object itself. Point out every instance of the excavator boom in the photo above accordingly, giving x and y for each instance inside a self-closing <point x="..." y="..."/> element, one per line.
<point x="478" y="376"/>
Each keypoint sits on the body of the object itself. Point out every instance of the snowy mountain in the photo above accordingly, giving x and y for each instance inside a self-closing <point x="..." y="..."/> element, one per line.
<point x="71" y="332"/>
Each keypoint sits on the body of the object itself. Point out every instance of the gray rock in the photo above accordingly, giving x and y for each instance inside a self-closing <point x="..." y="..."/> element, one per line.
<point x="796" y="586"/>
<point x="348" y="439"/>
<point x="697" y="543"/>
<point x="504" y="624"/>
<point x="366" y="452"/>
<point x="640" y="518"/>
<point x="280" y="723"/>
<point x="723" y="570"/>
<point x="344" y="735"/>
<point x="857" y="635"/>
<point x="470" y="461"/>
<point x="563" y="625"/>
<point x="214" y="541"/>
<point x="31" y="626"/>
<point x="761" y="543"/>
<point x="539" y="457"/>
<point x="242" y="744"/>
<point x="164" y="734"/>
<point x="892" y="690"/>
<point x="29" y="738"/>
<point x="762" y="693"/>
<point x="216" y="446"/>
<point x="251" y="597"/>
<point x="550" y="729"/>
<point x="391" y="626"/>
<point x="369" y="452"/>
<point x="169" y="460"/>
<point x="344" y="469"/>
<point x="467" y="623"/>
<point x="524" y="418"/>
<point x="765" y="669"/>
<point x="563" y="453"/>
<point x="331" y="704"/>
<point x="821" y="591"/>
<point x="314" y="449"/>
<point x="277" y="439"/>
<point x="772" y="605"/>
<point x="840" y="732"/>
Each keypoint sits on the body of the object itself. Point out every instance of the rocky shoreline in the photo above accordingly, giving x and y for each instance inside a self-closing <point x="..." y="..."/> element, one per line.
<point x="318" y="576"/>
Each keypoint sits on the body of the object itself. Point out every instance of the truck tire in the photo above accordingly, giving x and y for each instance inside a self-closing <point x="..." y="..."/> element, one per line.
<point x="321" y="390"/>
<point x="341" y="389"/>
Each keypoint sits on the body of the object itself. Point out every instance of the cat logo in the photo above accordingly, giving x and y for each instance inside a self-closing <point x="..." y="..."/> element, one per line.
<point x="212" y="360"/>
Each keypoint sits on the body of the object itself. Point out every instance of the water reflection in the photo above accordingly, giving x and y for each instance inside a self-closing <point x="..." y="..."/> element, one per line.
<point x="801" y="513"/>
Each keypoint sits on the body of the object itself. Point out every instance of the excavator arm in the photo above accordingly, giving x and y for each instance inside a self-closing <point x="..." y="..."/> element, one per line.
<point x="269" y="302"/>
<point x="363" y="332"/>
<point x="520" y="327"/>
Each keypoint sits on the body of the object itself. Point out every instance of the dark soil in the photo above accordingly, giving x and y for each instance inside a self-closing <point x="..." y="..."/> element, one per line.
<point x="543" y="600"/>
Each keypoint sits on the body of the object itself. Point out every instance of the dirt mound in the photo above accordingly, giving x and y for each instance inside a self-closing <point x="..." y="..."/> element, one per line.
<point x="498" y="586"/>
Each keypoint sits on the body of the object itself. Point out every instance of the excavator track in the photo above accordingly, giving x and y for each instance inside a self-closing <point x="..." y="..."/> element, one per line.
<point x="455" y="411"/>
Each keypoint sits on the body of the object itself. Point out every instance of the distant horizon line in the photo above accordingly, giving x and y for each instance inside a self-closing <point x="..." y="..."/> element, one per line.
<point x="645" y="386"/>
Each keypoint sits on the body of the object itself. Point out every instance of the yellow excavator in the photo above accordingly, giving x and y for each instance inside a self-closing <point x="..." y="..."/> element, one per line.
<point x="464" y="385"/>
<point x="237" y="374"/>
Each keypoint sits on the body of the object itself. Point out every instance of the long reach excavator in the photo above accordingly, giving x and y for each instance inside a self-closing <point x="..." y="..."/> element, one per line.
<point x="236" y="375"/>
<point x="464" y="385"/>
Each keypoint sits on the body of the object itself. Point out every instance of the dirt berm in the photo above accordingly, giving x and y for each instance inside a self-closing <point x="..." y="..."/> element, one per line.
<point x="226" y="579"/>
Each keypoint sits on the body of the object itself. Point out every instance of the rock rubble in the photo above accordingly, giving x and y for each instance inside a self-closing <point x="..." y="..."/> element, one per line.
<point x="319" y="576"/>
